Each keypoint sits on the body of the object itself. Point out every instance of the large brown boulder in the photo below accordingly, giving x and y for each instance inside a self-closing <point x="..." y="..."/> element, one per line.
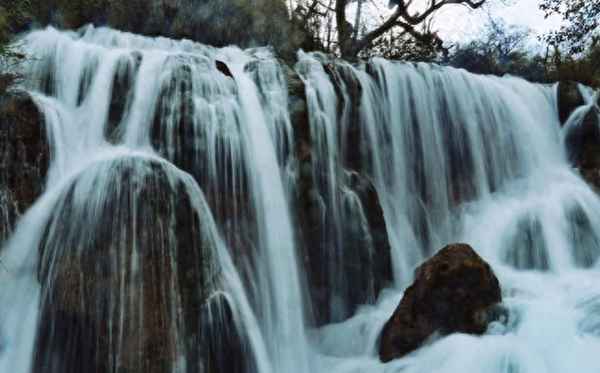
<point x="452" y="293"/>
<point x="24" y="157"/>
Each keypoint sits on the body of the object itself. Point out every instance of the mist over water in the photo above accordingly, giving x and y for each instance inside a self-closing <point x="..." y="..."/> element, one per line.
<point x="172" y="184"/>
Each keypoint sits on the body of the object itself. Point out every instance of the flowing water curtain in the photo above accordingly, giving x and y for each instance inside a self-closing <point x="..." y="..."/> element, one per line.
<point x="114" y="294"/>
<point x="348" y="255"/>
<point x="166" y="97"/>
<point x="420" y="137"/>
<point x="134" y="284"/>
<point x="449" y="148"/>
<point x="479" y="159"/>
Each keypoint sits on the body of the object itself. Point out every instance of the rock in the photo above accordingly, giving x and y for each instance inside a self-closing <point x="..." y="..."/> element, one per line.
<point x="338" y="284"/>
<point x="122" y="93"/>
<point x="226" y="347"/>
<point x="583" y="147"/>
<point x="569" y="99"/>
<point x="378" y="268"/>
<point x="351" y="223"/>
<point x="298" y="109"/>
<point x="24" y="157"/>
<point x="528" y="249"/>
<point x="452" y="293"/>
<point x="126" y="285"/>
<point x="349" y="92"/>
<point x="223" y="68"/>
<point x="179" y="136"/>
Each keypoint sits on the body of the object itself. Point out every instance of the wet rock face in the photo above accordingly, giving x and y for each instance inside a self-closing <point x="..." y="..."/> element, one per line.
<point x="298" y="110"/>
<point x="122" y="94"/>
<point x="582" y="141"/>
<point x="123" y="290"/>
<point x="583" y="147"/>
<point x="184" y="132"/>
<point x="569" y="99"/>
<point x="226" y="350"/>
<point x="337" y="284"/>
<point x="24" y="156"/>
<point x="453" y="292"/>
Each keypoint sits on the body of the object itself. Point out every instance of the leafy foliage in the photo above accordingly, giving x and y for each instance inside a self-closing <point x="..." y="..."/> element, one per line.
<point x="216" y="22"/>
<point x="500" y="50"/>
<point x="584" y="68"/>
<point x="399" y="45"/>
<point x="503" y="49"/>
<point x="582" y="23"/>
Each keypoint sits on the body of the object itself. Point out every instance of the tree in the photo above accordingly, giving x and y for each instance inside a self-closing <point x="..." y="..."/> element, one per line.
<point x="354" y="28"/>
<point x="582" y="22"/>
<point x="245" y="23"/>
<point x="501" y="49"/>
<point x="399" y="44"/>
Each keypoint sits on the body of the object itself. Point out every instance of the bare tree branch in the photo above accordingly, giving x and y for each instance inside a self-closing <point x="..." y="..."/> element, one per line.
<point x="401" y="17"/>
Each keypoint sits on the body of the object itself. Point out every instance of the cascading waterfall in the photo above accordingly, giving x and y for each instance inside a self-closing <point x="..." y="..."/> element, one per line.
<point x="463" y="158"/>
<point x="188" y="225"/>
<point x="165" y="85"/>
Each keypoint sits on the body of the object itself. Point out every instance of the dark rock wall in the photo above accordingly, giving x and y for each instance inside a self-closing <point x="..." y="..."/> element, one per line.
<point x="582" y="140"/>
<point x="569" y="98"/>
<point x="123" y="289"/>
<point x="24" y="157"/>
<point x="343" y="236"/>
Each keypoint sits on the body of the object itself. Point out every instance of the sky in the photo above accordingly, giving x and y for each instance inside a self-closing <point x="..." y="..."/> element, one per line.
<point x="459" y="22"/>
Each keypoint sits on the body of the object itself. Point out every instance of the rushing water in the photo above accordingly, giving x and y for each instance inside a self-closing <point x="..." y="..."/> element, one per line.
<point x="173" y="183"/>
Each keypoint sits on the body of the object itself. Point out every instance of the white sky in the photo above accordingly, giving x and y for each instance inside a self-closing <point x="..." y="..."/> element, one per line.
<point x="460" y="22"/>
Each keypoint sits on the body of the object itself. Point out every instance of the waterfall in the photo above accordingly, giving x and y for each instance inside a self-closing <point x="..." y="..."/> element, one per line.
<point x="215" y="210"/>
<point x="78" y="81"/>
<point x="457" y="157"/>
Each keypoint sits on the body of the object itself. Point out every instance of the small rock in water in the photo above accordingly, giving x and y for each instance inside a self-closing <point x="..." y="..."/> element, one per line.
<point x="454" y="291"/>
<point x="223" y="68"/>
